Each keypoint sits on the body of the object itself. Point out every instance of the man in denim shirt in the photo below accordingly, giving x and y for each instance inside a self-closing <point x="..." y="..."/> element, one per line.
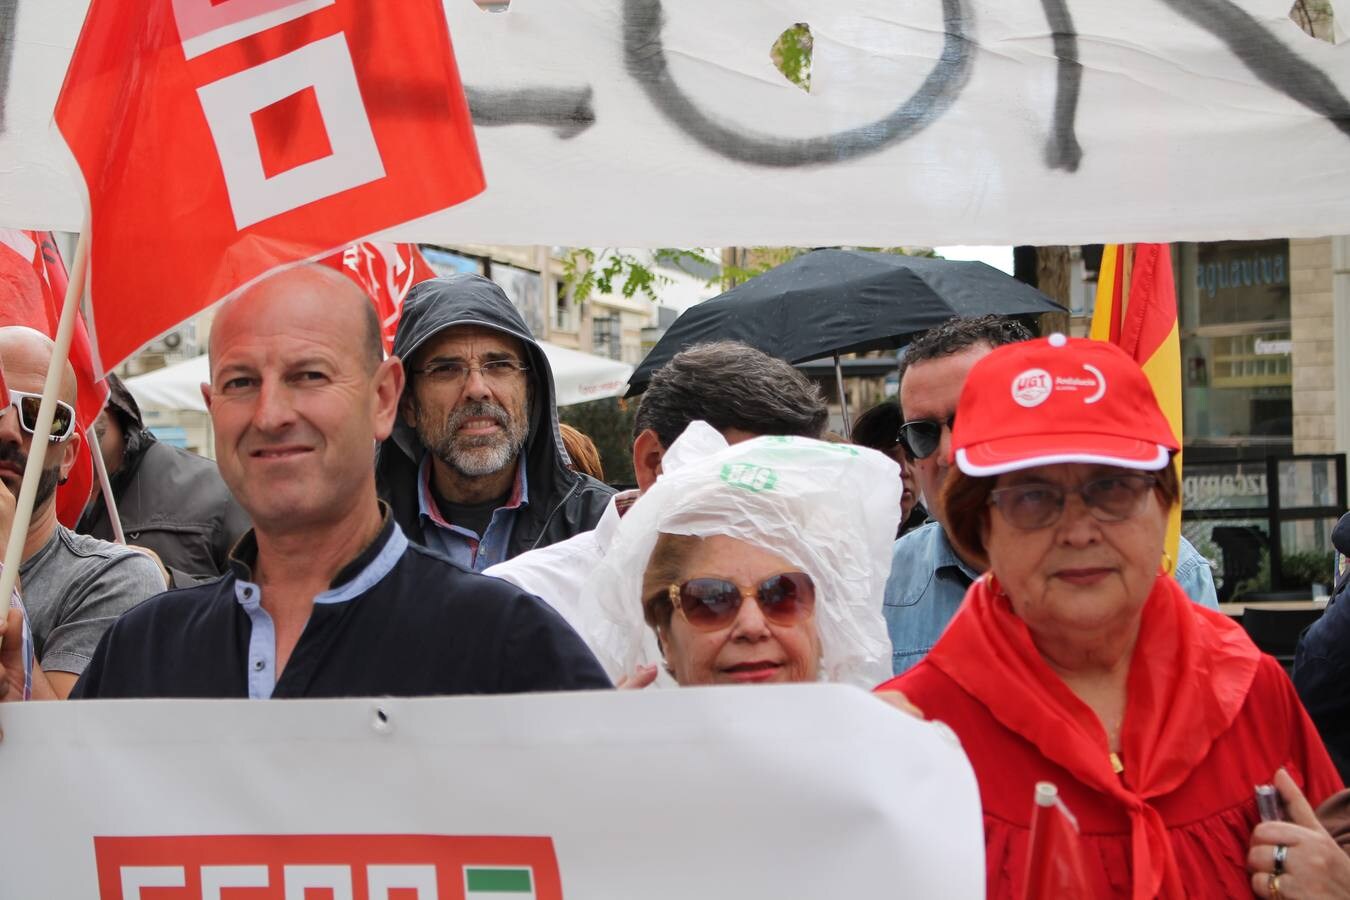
<point x="928" y="579"/>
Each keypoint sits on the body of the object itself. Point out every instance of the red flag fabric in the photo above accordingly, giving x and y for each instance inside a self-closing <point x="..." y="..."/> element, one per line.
<point x="31" y="263"/>
<point x="1055" y="853"/>
<point x="386" y="272"/>
<point x="251" y="134"/>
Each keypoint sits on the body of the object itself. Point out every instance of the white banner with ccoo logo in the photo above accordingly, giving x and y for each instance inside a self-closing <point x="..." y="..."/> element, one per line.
<point x="810" y="791"/>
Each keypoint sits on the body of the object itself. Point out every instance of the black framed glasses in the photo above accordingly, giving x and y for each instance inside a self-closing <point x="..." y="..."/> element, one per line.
<point x="710" y="604"/>
<point x="1037" y="505"/>
<point x="63" y="421"/>
<point x="456" y="372"/>
<point x="923" y="436"/>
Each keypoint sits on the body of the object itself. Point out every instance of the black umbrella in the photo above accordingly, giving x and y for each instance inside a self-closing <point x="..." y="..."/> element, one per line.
<point x="830" y="302"/>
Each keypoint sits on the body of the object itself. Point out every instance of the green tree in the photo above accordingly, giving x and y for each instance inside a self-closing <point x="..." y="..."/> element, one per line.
<point x="609" y="423"/>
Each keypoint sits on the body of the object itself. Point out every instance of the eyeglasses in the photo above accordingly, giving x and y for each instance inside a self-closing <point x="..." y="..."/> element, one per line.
<point x="1038" y="505"/>
<point x="921" y="437"/>
<point x="494" y="371"/>
<point x="63" y="421"/>
<point x="711" y="604"/>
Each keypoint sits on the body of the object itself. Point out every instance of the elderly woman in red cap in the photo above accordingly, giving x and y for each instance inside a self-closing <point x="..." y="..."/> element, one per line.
<point x="1078" y="660"/>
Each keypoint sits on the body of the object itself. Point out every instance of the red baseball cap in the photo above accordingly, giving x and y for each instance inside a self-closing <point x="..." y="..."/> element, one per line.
<point x="1058" y="400"/>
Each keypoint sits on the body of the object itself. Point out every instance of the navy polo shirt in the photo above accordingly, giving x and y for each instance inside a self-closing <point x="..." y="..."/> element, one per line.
<point x="399" y="620"/>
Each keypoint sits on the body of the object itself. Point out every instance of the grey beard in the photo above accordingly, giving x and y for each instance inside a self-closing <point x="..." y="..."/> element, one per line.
<point x="474" y="457"/>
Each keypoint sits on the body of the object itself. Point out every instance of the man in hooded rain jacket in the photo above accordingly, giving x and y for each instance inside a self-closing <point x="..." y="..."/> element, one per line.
<point x="475" y="468"/>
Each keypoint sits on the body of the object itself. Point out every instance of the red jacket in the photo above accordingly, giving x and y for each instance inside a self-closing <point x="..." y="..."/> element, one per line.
<point x="1208" y="716"/>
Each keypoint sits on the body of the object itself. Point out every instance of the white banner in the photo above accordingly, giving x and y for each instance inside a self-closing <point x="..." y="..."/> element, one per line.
<point x="754" y="793"/>
<point x="642" y="122"/>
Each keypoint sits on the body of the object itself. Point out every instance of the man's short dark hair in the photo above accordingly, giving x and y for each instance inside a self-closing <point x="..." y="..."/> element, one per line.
<point x="730" y="385"/>
<point x="879" y="427"/>
<point x="956" y="335"/>
<point x="373" y="338"/>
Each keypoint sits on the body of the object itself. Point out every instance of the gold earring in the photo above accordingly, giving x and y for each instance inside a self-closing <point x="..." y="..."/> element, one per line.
<point x="1167" y="564"/>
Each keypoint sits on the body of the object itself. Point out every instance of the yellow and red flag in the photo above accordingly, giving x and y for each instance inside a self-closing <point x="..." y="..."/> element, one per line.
<point x="1141" y="319"/>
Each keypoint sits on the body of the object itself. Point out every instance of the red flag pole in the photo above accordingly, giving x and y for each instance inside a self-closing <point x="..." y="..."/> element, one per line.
<point x="37" y="455"/>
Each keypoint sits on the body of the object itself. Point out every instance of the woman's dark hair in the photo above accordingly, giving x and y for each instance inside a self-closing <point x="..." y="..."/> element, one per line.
<point x="879" y="427"/>
<point x="966" y="500"/>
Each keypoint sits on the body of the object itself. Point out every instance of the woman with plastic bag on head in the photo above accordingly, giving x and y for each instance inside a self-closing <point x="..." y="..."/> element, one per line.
<point x="758" y="562"/>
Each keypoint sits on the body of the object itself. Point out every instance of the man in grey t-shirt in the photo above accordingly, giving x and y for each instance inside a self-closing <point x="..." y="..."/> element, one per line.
<point x="73" y="586"/>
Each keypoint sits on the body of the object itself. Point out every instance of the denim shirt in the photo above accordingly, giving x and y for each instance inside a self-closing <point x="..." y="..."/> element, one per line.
<point x="461" y="546"/>
<point x="928" y="581"/>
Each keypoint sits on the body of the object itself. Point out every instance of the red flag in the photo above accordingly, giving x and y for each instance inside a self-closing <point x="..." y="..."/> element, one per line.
<point x="386" y="272"/>
<point x="1055" y="853"/>
<point x="30" y="261"/>
<point x="250" y="134"/>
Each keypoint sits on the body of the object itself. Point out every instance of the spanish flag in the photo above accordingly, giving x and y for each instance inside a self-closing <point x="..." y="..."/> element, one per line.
<point x="1145" y="326"/>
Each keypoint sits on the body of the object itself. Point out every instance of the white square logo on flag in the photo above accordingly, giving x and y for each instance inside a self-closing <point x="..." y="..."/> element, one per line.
<point x="204" y="25"/>
<point x="322" y="70"/>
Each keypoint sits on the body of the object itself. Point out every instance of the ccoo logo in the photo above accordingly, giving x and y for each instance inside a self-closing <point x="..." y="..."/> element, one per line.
<point x="1031" y="388"/>
<point x="340" y="867"/>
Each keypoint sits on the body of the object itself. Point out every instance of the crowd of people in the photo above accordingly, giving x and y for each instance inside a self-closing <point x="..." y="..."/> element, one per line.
<point x="988" y="552"/>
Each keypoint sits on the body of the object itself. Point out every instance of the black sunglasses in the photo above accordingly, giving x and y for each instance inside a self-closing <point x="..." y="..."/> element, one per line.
<point x="921" y="437"/>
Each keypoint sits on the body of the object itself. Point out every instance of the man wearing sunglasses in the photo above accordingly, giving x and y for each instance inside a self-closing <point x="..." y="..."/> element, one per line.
<point x="74" y="586"/>
<point x="475" y="468"/>
<point x="928" y="577"/>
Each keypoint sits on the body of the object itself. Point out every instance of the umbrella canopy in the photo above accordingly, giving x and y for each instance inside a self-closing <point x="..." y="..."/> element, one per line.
<point x="577" y="377"/>
<point x="844" y="301"/>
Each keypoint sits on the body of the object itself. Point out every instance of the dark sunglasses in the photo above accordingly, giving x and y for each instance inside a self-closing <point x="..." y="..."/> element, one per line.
<point x="922" y="436"/>
<point x="710" y="604"/>
<point x="1036" y="505"/>
<point x="63" y="421"/>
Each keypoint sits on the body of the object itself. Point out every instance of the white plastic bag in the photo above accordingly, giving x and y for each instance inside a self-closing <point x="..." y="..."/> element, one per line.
<point x="831" y="509"/>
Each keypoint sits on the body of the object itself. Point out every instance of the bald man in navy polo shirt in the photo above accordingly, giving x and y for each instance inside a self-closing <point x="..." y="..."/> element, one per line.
<point x="325" y="597"/>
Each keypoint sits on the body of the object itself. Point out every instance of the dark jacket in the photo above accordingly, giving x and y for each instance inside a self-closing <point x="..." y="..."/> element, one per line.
<point x="562" y="502"/>
<point x="169" y="500"/>
<point x="413" y="625"/>
<point x="1322" y="667"/>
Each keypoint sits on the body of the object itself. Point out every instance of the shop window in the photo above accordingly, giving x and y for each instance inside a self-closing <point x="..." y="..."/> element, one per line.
<point x="1236" y="348"/>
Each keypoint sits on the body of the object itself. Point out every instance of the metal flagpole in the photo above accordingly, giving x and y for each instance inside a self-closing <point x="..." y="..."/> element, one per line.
<point x="843" y="401"/>
<point x="37" y="454"/>
<point x="105" y="486"/>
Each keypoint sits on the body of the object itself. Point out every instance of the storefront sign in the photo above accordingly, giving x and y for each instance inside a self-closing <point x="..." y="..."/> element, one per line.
<point x="1214" y="491"/>
<point x="1242" y="281"/>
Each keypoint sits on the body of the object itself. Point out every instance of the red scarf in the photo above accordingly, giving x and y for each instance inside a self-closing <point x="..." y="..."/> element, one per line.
<point x="1188" y="679"/>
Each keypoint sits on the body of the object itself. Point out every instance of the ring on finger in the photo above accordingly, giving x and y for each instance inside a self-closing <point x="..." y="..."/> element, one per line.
<point x="1281" y="853"/>
<point x="1273" y="886"/>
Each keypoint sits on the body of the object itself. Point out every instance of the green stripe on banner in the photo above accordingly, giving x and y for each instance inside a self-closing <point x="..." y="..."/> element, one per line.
<point x="499" y="881"/>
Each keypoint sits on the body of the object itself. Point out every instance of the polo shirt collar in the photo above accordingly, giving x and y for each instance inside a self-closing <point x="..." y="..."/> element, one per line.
<point x="429" y="510"/>
<point x="359" y="575"/>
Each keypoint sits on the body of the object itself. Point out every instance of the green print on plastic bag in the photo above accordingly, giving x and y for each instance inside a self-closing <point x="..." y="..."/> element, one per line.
<point x="749" y="477"/>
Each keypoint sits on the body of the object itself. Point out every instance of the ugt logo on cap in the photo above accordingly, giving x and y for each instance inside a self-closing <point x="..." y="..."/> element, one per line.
<point x="1031" y="388"/>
